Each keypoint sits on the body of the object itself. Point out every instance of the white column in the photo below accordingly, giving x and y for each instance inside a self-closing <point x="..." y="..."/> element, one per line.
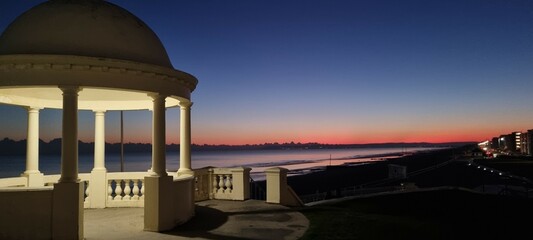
<point x="158" y="136"/>
<point x="32" y="141"/>
<point x="185" y="138"/>
<point x="69" y="141"/>
<point x="99" y="140"/>
<point x="98" y="182"/>
<point x="34" y="176"/>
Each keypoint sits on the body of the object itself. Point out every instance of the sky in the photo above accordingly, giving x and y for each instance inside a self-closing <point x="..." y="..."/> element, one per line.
<point x="334" y="71"/>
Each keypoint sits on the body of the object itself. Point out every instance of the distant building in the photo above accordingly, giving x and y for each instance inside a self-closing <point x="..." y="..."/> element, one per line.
<point x="517" y="141"/>
<point x="507" y="143"/>
<point x="484" y="145"/>
<point x="504" y="142"/>
<point x="529" y="144"/>
<point x="494" y="143"/>
<point x="523" y="143"/>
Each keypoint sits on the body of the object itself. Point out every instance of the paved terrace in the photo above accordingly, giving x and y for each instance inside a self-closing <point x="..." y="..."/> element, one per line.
<point x="215" y="219"/>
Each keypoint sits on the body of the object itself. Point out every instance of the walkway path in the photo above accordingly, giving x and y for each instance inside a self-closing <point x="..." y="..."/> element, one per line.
<point x="215" y="219"/>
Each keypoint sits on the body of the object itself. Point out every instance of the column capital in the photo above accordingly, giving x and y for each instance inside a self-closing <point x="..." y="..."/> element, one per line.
<point x="157" y="96"/>
<point x="99" y="112"/>
<point x="185" y="105"/>
<point x="33" y="108"/>
<point x="69" y="89"/>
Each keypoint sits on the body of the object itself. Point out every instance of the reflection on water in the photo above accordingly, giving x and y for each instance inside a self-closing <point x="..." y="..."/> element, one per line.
<point x="258" y="160"/>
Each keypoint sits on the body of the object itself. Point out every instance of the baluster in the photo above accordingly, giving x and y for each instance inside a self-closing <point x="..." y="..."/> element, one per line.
<point x="142" y="189"/>
<point x="215" y="183"/>
<point x="86" y="191"/>
<point x="196" y="179"/>
<point x="229" y="184"/>
<point x="109" y="190"/>
<point x="118" y="190"/>
<point x="197" y="190"/>
<point x="127" y="190"/>
<point x="135" y="190"/>
<point x="220" y="183"/>
<point x="223" y="183"/>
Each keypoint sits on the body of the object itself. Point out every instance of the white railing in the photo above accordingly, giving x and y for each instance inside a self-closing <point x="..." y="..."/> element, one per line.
<point x="222" y="187"/>
<point x="222" y="183"/>
<point x="125" y="189"/>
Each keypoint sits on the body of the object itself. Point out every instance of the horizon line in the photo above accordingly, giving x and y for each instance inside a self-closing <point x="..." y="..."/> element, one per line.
<point x="271" y="143"/>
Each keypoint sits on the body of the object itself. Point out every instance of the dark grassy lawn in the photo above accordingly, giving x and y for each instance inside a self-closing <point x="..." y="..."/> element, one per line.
<point x="518" y="166"/>
<point x="443" y="214"/>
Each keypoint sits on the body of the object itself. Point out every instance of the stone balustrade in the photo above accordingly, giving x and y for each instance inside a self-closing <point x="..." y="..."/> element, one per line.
<point x="126" y="189"/>
<point x="222" y="183"/>
<point x="222" y="186"/>
<point x="123" y="189"/>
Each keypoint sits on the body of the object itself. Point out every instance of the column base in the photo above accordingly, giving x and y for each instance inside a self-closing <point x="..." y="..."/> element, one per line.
<point x="98" y="188"/>
<point x="67" y="211"/>
<point x="35" y="178"/>
<point x="151" y="172"/>
<point x="158" y="212"/>
<point x="185" y="171"/>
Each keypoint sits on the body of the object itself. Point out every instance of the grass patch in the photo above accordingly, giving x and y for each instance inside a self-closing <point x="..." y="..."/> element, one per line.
<point x="446" y="214"/>
<point x="518" y="167"/>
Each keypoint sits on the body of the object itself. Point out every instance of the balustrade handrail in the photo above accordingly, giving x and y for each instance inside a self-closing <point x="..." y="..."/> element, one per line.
<point x="54" y="178"/>
<point x="126" y="175"/>
<point x="51" y="179"/>
<point x="222" y="170"/>
<point x="14" y="182"/>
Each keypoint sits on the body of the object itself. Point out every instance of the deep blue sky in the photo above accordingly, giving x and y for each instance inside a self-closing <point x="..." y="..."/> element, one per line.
<point x="333" y="71"/>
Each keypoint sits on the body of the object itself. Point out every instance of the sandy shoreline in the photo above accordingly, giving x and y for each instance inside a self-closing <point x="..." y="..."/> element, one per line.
<point x="303" y="167"/>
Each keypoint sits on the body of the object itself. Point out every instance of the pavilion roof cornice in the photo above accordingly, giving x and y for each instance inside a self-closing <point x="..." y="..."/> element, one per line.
<point x="91" y="64"/>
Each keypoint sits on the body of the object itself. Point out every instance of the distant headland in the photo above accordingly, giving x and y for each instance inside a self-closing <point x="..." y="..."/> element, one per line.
<point x="53" y="147"/>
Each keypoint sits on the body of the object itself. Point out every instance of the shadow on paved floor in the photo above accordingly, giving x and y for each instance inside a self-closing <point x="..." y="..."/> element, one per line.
<point x="208" y="219"/>
<point x="205" y="220"/>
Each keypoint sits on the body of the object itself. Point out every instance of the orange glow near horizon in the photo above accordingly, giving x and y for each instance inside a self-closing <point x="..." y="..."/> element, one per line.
<point x="258" y="131"/>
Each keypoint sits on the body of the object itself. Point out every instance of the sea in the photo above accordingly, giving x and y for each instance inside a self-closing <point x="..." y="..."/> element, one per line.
<point x="298" y="161"/>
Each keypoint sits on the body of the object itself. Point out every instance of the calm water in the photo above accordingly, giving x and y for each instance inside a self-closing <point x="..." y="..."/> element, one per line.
<point x="258" y="160"/>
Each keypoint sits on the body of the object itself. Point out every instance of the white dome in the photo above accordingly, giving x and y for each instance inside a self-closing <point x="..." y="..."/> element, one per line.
<point x="91" y="28"/>
<point x="103" y="49"/>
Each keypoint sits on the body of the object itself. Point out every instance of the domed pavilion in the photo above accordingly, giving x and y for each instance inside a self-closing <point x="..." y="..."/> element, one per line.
<point x="94" y="55"/>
